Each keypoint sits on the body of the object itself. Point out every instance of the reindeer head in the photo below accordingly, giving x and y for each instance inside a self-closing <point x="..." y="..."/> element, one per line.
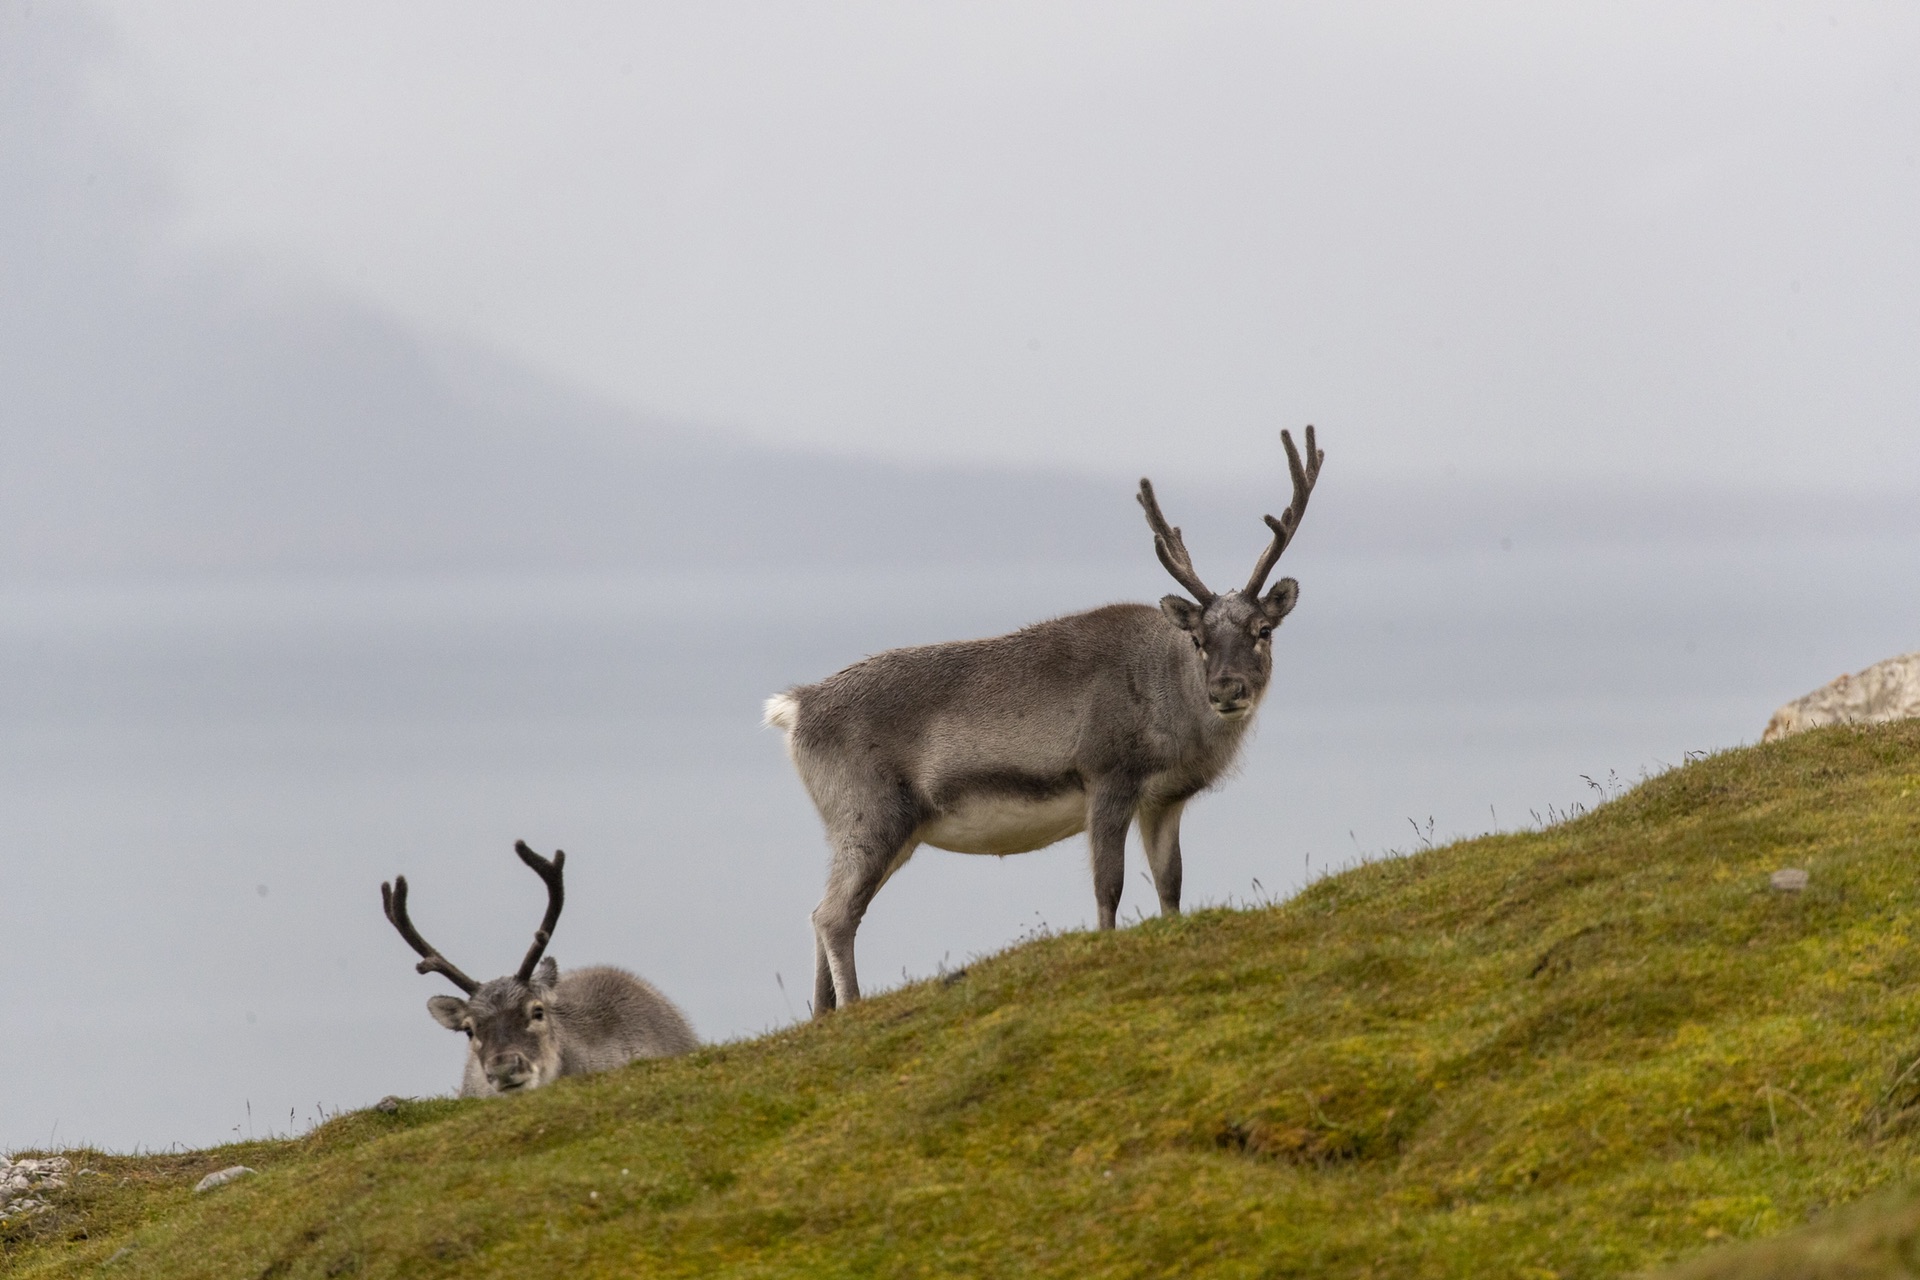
<point x="508" y="1022"/>
<point x="1232" y="633"/>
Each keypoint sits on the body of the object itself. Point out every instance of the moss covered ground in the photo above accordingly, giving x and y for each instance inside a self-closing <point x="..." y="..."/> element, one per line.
<point x="1590" y="1050"/>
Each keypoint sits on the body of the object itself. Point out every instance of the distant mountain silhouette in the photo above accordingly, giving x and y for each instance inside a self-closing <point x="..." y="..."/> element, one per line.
<point x="199" y="425"/>
<point x="202" y="424"/>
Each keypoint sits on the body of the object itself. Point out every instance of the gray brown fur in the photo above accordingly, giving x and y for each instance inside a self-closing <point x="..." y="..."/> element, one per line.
<point x="536" y="1025"/>
<point x="1082" y="723"/>
<point x="592" y="1019"/>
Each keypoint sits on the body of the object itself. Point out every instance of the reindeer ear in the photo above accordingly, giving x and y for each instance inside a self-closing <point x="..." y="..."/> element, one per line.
<point x="546" y="974"/>
<point x="1182" y="612"/>
<point x="1280" y="599"/>
<point x="449" y="1011"/>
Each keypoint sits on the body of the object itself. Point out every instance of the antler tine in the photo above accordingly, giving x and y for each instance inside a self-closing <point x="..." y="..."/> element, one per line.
<point x="1289" y="521"/>
<point x="393" y="900"/>
<point x="1170" y="547"/>
<point x="556" y="898"/>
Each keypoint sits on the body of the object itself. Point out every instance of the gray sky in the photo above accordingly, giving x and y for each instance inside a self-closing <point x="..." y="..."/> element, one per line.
<point x="1525" y="241"/>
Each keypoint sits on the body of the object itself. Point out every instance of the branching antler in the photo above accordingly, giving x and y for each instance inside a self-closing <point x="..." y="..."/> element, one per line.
<point x="556" y="898"/>
<point x="393" y="898"/>
<point x="1289" y="521"/>
<point x="1171" y="548"/>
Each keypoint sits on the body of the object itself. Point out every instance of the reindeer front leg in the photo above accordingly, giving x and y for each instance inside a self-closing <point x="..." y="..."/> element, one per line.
<point x="1160" y="836"/>
<point x="1109" y="810"/>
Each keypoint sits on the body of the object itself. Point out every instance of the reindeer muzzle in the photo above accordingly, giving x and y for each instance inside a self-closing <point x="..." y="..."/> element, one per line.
<point x="1230" y="697"/>
<point x="510" y="1071"/>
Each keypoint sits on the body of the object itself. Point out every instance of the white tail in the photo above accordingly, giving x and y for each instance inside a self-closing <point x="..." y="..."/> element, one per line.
<point x="781" y="712"/>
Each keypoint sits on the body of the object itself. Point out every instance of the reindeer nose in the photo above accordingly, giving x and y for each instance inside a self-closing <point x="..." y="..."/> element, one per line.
<point x="1227" y="691"/>
<point x="504" y="1067"/>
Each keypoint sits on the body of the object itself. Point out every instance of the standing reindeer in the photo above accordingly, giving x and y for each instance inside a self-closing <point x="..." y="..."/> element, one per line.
<point x="1006" y="745"/>
<point x="538" y="1025"/>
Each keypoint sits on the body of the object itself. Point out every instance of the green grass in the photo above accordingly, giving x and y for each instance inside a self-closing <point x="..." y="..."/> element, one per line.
<point x="1582" y="1051"/>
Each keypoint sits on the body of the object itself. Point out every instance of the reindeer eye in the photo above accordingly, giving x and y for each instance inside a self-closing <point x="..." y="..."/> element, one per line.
<point x="1265" y="633"/>
<point x="537" y="1014"/>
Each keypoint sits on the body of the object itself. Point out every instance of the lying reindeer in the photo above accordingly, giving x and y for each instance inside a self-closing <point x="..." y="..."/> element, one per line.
<point x="538" y="1025"/>
<point x="1000" y="746"/>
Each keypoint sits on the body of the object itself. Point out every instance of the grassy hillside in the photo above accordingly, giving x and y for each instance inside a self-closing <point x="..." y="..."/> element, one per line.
<point x="1576" y="1052"/>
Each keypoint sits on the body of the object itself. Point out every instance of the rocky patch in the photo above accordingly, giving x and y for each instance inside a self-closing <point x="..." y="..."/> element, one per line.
<point x="26" y="1184"/>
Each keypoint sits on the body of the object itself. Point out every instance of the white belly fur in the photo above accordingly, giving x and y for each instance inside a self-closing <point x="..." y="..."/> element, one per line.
<point x="1007" y="824"/>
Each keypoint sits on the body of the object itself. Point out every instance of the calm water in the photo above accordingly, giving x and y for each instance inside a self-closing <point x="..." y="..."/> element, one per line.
<point x="204" y="785"/>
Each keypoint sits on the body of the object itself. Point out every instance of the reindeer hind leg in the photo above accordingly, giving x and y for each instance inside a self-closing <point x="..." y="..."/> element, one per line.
<point x="871" y="840"/>
<point x="823" y="999"/>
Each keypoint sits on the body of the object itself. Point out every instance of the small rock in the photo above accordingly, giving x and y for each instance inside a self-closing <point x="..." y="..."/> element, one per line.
<point x="1788" y="880"/>
<point x="387" y="1105"/>
<point x="1885" y="691"/>
<point x="222" y="1178"/>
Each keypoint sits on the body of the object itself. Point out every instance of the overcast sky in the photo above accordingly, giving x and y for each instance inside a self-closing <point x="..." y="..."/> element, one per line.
<point x="1639" y="240"/>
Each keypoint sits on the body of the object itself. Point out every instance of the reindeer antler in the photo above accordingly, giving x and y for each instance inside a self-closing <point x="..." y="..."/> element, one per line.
<point x="1171" y="549"/>
<point x="1289" y="521"/>
<point x="556" y="898"/>
<point x="393" y="899"/>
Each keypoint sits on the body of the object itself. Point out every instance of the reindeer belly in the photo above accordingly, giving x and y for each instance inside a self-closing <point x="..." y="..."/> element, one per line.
<point x="1006" y="824"/>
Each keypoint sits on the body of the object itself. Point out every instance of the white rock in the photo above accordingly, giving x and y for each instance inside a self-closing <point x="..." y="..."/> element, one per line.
<point x="1788" y="879"/>
<point x="222" y="1178"/>
<point x="1887" y="690"/>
